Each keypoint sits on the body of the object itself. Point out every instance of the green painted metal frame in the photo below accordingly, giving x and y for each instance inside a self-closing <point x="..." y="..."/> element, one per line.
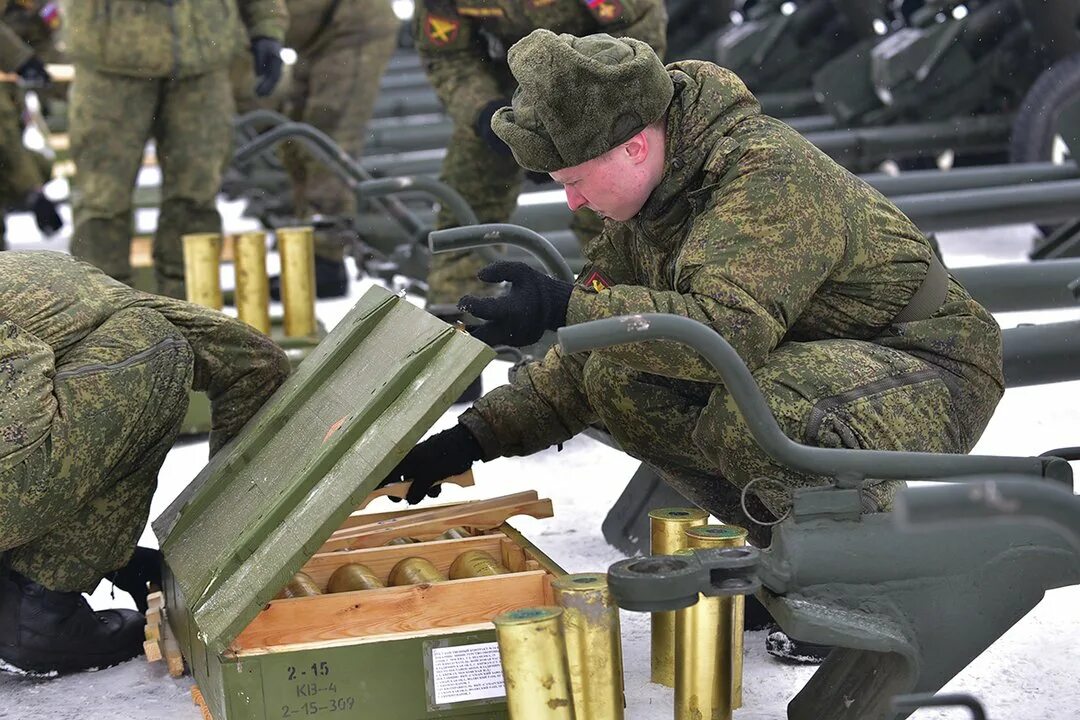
<point x="905" y="608"/>
<point x="331" y="433"/>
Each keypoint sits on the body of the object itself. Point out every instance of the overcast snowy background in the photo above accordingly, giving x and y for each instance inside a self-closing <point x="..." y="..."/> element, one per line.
<point x="1032" y="673"/>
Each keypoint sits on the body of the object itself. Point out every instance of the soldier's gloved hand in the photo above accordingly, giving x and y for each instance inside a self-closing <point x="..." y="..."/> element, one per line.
<point x="46" y="216"/>
<point x="143" y="568"/>
<point x="267" y="52"/>
<point x="536" y="302"/>
<point x="442" y="455"/>
<point x="484" y="131"/>
<point x="33" y="73"/>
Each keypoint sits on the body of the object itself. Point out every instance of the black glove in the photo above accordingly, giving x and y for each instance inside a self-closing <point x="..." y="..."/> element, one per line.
<point x="33" y="73"/>
<point x="484" y="131"/>
<point x="143" y="567"/>
<point x="267" y="52"/>
<point x="442" y="455"/>
<point x="535" y="303"/>
<point x="45" y="215"/>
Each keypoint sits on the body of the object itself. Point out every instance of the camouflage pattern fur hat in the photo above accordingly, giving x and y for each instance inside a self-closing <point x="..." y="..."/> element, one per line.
<point x="579" y="97"/>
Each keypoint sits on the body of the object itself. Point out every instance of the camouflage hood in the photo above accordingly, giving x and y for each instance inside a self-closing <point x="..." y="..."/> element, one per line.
<point x="709" y="102"/>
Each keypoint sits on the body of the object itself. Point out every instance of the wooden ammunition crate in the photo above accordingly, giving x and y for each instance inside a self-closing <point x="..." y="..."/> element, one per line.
<point x="394" y="653"/>
<point x="282" y="496"/>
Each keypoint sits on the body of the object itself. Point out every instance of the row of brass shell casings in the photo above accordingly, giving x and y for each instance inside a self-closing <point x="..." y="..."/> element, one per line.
<point x="564" y="663"/>
<point x="469" y="564"/>
<point x="348" y="577"/>
<point x="296" y="246"/>
<point x="454" y="533"/>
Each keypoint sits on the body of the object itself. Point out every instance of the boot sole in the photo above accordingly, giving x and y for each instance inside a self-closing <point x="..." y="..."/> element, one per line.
<point x="50" y="663"/>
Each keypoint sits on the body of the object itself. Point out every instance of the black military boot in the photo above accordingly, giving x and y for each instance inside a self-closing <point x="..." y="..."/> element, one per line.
<point x="331" y="280"/>
<point x="784" y="647"/>
<point x="44" y="631"/>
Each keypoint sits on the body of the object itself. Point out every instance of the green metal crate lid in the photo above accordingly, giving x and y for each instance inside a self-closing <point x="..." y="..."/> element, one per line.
<point x="264" y="504"/>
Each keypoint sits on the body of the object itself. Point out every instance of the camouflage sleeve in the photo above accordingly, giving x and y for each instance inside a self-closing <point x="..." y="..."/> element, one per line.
<point x="264" y="18"/>
<point x="237" y="367"/>
<point x="546" y="403"/>
<point x="455" y="59"/>
<point x="752" y="261"/>
<point x="27" y="404"/>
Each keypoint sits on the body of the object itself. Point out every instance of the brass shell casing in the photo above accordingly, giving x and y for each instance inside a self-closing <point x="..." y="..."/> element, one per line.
<point x="402" y="541"/>
<point x="703" y="667"/>
<point x="533" y="653"/>
<point x="455" y="533"/>
<point x="590" y="623"/>
<point x="415" y="571"/>
<point x="252" y="282"/>
<point x="353" y="576"/>
<point x="668" y="531"/>
<point x="297" y="249"/>
<point x="301" y="585"/>
<point x="714" y="536"/>
<point x="202" y="269"/>
<point x="475" y="563"/>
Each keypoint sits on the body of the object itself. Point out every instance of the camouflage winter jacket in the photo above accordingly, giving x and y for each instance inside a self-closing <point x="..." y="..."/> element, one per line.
<point x="50" y="301"/>
<point x="38" y="23"/>
<point x="756" y="233"/>
<point x="14" y="51"/>
<point x="463" y="43"/>
<point x="311" y="22"/>
<point x="153" y="38"/>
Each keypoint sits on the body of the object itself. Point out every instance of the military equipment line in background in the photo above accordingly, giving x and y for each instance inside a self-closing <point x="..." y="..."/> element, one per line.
<point x="966" y="115"/>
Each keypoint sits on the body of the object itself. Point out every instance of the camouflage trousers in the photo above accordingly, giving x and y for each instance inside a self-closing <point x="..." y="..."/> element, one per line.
<point x="834" y="393"/>
<point x="490" y="184"/>
<point x="112" y="117"/>
<point x="21" y="170"/>
<point x="72" y="511"/>
<point x="335" y="86"/>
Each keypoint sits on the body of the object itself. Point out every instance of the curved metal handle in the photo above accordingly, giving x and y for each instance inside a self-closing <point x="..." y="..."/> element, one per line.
<point x="261" y="116"/>
<point x="911" y="703"/>
<point x="357" y="177"/>
<point x="829" y="462"/>
<point x="437" y="189"/>
<point x="465" y="238"/>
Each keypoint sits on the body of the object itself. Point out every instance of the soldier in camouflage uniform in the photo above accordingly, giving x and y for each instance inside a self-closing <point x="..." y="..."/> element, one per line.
<point x="148" y="69"/>
<point x="96" y="378"/>
<point x="22" y="171"/>
<point x="462" y="44"/>
<point x="343" y="47"/>
<point x="855" y="333"/>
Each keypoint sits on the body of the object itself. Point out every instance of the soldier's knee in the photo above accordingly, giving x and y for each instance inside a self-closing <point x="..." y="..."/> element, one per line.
<point x="605" y="379"/>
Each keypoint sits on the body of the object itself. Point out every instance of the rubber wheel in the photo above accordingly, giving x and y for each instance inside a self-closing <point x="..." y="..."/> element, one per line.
<point x="1036" y="121"/>
<point x="1035" y="125"/>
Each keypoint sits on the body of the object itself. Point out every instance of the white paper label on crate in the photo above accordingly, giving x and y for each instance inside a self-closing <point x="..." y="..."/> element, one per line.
<point x="467" y="672"/>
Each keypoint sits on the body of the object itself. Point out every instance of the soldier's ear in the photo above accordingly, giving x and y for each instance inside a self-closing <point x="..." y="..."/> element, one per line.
<point x="637" y="148"/>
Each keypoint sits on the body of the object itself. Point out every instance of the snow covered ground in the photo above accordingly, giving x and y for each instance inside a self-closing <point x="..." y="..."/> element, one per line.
<point x="1032" y="673"/>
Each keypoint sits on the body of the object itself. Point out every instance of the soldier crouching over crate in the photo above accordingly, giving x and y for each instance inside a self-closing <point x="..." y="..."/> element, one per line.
<point x="95" y="385"/>
<point x="853" y="330"/>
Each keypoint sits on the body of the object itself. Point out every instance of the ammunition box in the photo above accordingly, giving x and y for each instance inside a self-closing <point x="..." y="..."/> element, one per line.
<point x="281" y="499"/>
